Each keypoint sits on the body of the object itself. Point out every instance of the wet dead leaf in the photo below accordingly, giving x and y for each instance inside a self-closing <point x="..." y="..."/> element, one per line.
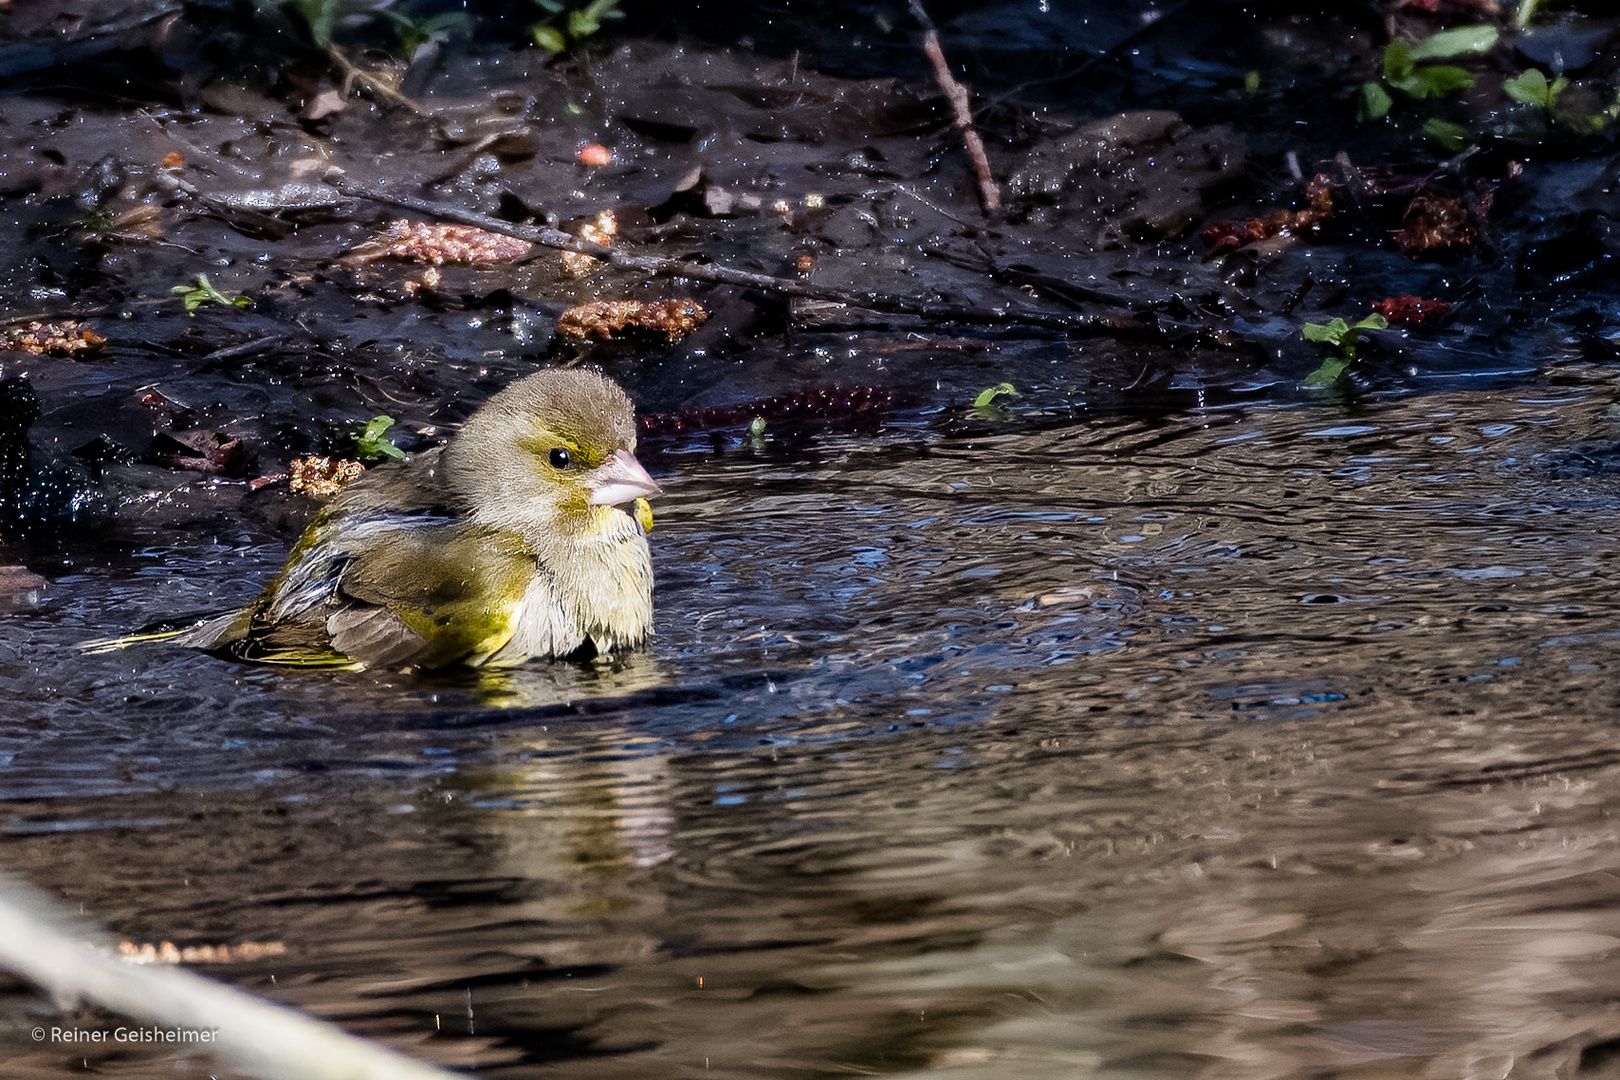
<point x="202" y="449"/>
<point x="1435" y="223"/>
<point x="63" y="339"/>
<point x="322" y="477"/>
<point x="600" y="321"/>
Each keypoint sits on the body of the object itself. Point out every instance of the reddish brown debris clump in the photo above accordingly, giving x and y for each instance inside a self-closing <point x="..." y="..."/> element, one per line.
<point x="322" y="477"/>
<point x="67" y="339"/>
<point x="439" y="244"/>
<point x="1409" y="310"/>
<point x="1435" y="223"/>
<point x="823" y="404"/>
<point x="166" y="953"/>
<point x="599" y="321"/>
<point x="1227" y="236"/>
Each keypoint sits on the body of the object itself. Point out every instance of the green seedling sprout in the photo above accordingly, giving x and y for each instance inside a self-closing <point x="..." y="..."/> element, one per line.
<point x="987" y="398"/>
<point x="1402" y="73"/>
<point x="415" y="34"/>
<point x="202" y="292"/>
<point x="1532" y="88"/>
<point x="1342" y="338"/>
<point x="371" y="446"/>
<point x="563" y="25"/>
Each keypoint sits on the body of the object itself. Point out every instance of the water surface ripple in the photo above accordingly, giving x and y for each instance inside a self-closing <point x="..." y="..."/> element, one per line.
<point x="1259" y="742"/>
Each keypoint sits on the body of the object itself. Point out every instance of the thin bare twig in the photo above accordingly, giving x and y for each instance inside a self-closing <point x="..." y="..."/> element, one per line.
<point x="961" y="106"/>
<point x="1075" y="324"/>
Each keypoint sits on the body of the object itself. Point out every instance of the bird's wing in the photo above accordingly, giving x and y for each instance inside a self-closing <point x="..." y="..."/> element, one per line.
<point x="433" y="596"/>
<point x="316" y="565"/>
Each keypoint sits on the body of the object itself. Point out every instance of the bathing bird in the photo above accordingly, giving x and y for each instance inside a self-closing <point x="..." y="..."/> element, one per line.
<point x="510" y="542"/>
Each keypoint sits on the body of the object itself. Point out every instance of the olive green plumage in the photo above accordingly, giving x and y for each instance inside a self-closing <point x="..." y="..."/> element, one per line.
<point x="506" y="544"/>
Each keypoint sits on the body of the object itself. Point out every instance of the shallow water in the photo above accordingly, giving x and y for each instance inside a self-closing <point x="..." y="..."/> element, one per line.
<point x="1263" y="740"/>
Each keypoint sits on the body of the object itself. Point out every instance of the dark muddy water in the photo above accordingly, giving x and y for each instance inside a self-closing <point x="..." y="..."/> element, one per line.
<point x="1253" y="741"/>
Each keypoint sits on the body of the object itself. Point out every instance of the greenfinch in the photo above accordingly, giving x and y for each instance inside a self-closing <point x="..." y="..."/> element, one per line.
<point x="505" y="544"/>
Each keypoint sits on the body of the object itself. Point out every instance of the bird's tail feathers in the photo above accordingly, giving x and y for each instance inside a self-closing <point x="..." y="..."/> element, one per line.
<point x="204" y="633"/>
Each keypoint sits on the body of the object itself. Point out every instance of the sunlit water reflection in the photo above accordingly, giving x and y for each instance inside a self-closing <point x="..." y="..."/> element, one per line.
<point x="1274" y="741"/>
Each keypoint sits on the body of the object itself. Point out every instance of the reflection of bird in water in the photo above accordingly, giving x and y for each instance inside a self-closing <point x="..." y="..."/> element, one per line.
<point x="504" y="545"/>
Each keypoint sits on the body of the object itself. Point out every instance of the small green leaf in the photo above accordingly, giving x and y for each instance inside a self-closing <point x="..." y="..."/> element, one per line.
<point x="986" y="397"/>
<point x="548" y="38"/>
<point x="1329" y="333"/>
<point x="756" y="428"/>
<point x="1526" y="12"/>
<point x="450" y="20"/>
<point x="1330" y="372"/>
<point x="1397" y="61"/>
<point x="1453" y="138"/>
<point x="1373" y="102"/>
<point x="372" y="445"/>
<point x="1441" y="79"/>
<point x="1413" y="85"/>
<point x="1372" y="322"/>
<point x="1530" y="88"/>
<point x="1251" y="83"/>
<point x="582" y="25"/>
<point x="1458" y="41"/>
<point x="202" y="292"/>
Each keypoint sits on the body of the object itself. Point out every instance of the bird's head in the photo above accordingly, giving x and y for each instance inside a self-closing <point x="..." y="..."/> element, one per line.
<point x="553" y="452"/>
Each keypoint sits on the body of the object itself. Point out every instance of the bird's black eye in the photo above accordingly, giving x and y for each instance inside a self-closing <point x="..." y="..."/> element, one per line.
<point x="559" y="459"/>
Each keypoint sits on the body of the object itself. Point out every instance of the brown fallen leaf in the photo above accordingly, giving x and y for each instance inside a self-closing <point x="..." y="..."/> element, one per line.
<point x="599" y="321"/>
<point x="438" y="244"/>
<point x="322" y="477"/>
<point x="64" y="339"/>
<point x="1435" y="223"/>
<point x="202" y="449"/>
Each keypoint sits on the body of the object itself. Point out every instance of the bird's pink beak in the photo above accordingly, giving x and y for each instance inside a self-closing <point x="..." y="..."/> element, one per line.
<point x="619" y="479"/>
